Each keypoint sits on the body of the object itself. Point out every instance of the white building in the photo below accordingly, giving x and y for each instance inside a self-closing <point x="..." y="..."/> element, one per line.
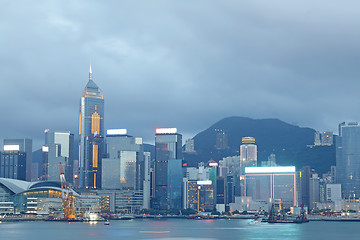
<point x="333" y="192"/>
<point x="248" y="154"/>
<point x="279" y="183"/>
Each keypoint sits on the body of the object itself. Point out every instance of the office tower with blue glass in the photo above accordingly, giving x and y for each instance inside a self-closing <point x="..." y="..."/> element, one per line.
<point x="16" y="159"/>
<point x="58" y="148"/>
<point x="168" y="169"/>
<point x="91" y="134"/>
<point x="348" y="159"/>
<point x="123" y="167"/>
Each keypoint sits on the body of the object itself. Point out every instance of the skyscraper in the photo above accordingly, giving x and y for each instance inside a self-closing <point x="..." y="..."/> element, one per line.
<point x="91" y="133"/>
<point x="248" y="158"/>
<point x="248" y="153"/>
<point x="168" y="169"/>
<point x="16" y="159"/>
<point x="58" y="148"/>
<point x="123" y="168"/>
<point x="348" y="160"/>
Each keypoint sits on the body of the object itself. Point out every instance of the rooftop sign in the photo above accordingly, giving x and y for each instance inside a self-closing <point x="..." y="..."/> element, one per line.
<point x="166" y="131"/>
<point x="288" y="169"/>
<point x="45" y="148"/>
<point x="205" y="182"/>
<point x="116" y="132"/>
<point x="11" y="148"/>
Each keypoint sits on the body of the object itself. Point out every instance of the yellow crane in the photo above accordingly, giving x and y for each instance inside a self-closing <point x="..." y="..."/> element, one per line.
<point x="67" y="197"/>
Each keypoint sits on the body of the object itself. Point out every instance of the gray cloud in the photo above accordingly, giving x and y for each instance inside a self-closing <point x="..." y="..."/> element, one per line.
<point x="178" y="64"/>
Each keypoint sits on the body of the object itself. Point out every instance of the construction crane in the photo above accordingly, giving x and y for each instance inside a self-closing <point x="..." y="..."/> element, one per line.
<point x="67" y="197"/>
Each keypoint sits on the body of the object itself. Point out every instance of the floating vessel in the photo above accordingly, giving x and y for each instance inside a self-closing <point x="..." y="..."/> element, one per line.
<point x="256" y="221"/>
<point x="273" y="218"/>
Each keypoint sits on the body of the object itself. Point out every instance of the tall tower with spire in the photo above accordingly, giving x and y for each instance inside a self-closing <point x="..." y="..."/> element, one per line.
<point x="91" y="134"/>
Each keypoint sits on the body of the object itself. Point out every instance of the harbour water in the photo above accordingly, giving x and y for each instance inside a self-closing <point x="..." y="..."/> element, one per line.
<point x="177" y="229"/>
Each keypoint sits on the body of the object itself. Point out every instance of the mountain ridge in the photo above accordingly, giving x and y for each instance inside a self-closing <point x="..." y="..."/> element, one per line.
<point x="288" y="142"/>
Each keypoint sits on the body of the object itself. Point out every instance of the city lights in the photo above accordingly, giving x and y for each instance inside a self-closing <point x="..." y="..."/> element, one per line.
<point x="11" y="148"/>
<point x="289" y="169"/>
<point x="116" y="132"/>
<point x="166" y="130"/>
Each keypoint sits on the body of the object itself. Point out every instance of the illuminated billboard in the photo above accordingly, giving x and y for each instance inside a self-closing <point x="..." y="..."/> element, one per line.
<point x="205" y="182"/>
<point x="248" y="140"/>
<point x="45" y="148"/>
<point x="11" y="148"/>
<point x="116" y="132"/>
<point x="213" y="164"/>
<point x="166" y="131"/>
<point x="288" y="169"/>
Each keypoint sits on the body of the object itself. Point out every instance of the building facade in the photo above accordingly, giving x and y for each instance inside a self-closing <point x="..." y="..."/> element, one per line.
<point x="278" y="183"/>
<point x="168" y="169"/>
<point x="348" y="160"/>
<point x="123" y="167"/>
<point x="91" y="133"/>
<point x="58" y="148"/>
<point x="248" y="154"/>
<point x="16" y="159"/>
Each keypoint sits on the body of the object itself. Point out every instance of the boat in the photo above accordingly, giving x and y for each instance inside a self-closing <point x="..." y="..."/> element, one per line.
<point x="256" y="221"/>
<point x="107" y="222"/>
<point x="122" y="217"/>
<point x="200" y="217"/>
<point x="273" y="218"/>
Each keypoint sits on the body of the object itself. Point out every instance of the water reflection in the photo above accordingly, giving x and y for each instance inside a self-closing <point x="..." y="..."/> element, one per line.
<point x="177" y="229"/>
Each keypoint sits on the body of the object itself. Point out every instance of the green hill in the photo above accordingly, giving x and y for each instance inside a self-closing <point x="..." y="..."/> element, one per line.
<point x="288" y="142"/>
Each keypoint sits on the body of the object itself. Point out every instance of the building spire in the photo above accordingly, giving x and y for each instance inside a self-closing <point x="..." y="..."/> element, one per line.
<point x="90" y="73"/>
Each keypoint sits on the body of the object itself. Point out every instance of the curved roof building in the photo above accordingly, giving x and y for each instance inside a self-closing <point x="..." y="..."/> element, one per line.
<point x="15" y="187"/>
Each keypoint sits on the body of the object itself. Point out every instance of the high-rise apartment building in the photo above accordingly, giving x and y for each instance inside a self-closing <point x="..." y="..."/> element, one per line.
<point x="323" y="138"/>
<point x="221" y="139"/>
<point x="190" y="146"/>
<point x="58" y="148"/>
<point x="317" y="138"/>
<point x="348" y="160"/>
<point x="16" y="159"/>
<point x="91" y="133"/>
<point x="327" y="138"/>
<point x="168" y="169"/>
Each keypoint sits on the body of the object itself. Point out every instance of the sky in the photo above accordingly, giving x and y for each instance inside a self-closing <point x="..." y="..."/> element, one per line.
<point x="184" y="64"/>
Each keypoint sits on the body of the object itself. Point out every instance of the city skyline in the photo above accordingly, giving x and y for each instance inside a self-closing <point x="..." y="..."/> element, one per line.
<point x="204" y="68"/>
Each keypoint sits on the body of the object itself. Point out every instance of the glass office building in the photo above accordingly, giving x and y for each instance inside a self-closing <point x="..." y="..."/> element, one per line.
<point x="264" y="183"/>
<point x="168" y="149"/>
<point x="174" y="190"/>
<point x="348" y="160"/>
<point x="91" y="133"/>
<point x="58" y="148"/>
<point x="16" y="158"/>
<point x="123" y="168"/>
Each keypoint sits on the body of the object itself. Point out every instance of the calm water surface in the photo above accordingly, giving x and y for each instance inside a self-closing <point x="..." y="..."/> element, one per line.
<point x="178" y="229"/>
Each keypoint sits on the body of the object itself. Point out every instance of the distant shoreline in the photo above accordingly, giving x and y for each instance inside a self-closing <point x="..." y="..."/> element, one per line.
<point x="156" y="217"/>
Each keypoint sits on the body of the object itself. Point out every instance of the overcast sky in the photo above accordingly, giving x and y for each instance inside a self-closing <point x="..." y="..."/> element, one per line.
<point x="184" y="64"/>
